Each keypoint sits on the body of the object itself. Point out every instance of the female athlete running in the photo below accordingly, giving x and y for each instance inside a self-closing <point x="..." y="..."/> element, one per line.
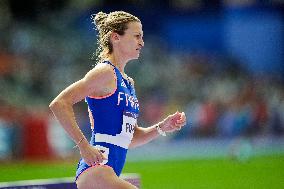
<point x="112" y="104"/>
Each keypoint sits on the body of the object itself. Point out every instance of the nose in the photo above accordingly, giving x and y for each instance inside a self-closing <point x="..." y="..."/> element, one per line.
<point x="141" y="42"/>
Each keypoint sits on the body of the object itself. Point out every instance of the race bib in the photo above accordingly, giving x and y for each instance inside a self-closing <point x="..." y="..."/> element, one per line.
<point x="129" y="123"/>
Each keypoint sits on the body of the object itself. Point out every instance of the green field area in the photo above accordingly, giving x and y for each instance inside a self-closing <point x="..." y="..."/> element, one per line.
<point x="259" y="172"/>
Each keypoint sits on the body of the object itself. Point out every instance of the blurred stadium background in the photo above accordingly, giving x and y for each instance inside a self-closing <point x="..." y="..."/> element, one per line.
<point x="220" y="61"/>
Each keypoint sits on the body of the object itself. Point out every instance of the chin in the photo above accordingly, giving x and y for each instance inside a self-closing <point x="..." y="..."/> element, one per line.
<point x="135" y="57"/>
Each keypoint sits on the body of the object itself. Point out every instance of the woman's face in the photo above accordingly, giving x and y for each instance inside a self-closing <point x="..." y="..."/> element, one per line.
<point x="131" y="42"/>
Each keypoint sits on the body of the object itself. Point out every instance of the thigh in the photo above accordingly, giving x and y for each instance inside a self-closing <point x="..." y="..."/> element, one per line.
<point x="101" y="177"/>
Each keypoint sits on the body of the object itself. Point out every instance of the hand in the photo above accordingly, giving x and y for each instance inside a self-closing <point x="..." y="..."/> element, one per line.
<point x="173" y="122"/>
<point x="90" y="154"/>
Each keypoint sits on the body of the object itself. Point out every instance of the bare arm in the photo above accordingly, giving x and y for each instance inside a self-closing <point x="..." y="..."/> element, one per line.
<point x="170" y="124"/>
<point x="142" y="135"/>
<point x="98" y="81"/>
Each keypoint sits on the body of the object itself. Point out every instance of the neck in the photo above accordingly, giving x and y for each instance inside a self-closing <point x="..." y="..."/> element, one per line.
<point x="119" y="62"/>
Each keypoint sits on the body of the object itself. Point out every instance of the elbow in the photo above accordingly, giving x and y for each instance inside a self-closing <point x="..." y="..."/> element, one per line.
<point x="55" y="104"/>
<point x="134" y="143"/>
<point x="52" y="105"/>
<point x="131" y="146"/>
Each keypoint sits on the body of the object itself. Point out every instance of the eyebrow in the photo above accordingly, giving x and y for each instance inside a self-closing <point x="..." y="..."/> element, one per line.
<point x="139" y="33"/>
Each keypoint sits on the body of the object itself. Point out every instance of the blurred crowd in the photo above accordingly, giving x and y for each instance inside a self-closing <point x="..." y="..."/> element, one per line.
<point x="39" y="59"/>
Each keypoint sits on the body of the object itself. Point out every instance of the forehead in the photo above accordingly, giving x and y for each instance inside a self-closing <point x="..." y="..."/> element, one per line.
<point x="134" y="27"/>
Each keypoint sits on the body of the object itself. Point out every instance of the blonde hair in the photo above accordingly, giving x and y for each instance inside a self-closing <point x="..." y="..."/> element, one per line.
<point x="105" y="24"/>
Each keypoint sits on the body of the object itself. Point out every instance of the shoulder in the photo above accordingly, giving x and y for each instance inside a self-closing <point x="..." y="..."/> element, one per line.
<point x="101" y="80"/>
<point x="102" y="72"/>
<point x="102" y="68"/>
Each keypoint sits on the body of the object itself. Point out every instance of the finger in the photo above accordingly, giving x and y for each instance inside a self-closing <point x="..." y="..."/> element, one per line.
<point x="182" y="118"/>
<point x="99" y="161"/>
<point x="178" y="114"/>
<point x="99" y="158"/>
<point x="96" y="161"/>
<point x="97" y="155"/>
<point x="179" y="126"/>
<point x="180" y="121"/>
<point x="102" y="154"/>
<point x="182" y="115"/>
<point x="104" y="157"/>
<point x="91" y="163"/>
<point x="175" y="117"/>
<point x="88" y="161"/>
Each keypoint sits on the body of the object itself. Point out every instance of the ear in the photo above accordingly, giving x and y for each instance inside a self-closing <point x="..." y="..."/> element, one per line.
<point x="114" y="37"/>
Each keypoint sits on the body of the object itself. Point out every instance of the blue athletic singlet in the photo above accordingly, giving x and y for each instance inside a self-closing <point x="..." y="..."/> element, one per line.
<point x="114" y="118"/>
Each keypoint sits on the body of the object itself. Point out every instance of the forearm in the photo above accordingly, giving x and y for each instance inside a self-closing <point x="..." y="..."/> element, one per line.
<point x="144" y="135"/>
<point x="169" y="124"/>
<point x="65" y="115"/>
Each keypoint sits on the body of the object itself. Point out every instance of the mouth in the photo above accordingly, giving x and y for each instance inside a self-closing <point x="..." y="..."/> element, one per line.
<point x="139" y="48"/>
